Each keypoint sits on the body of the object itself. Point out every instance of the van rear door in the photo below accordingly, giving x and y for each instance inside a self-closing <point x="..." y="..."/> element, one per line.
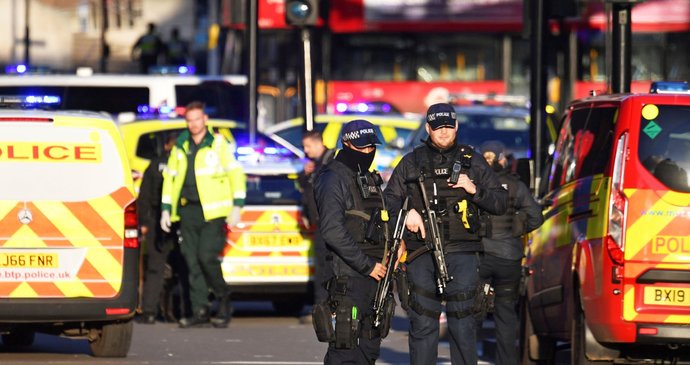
<point x="63" y="195"/>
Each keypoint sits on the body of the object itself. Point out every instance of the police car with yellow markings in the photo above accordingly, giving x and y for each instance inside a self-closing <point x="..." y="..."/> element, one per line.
<point x="69" y="245"/>
<point x="268" y="253"/>
<point x="394" y="131"/>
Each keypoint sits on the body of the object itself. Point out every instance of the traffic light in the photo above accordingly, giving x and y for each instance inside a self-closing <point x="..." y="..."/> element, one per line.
<point x="301" y="12"/>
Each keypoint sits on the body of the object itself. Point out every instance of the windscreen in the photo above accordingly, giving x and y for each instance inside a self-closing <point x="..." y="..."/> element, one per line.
<point x="45" y="161"/>
<point x="664" y="147"/>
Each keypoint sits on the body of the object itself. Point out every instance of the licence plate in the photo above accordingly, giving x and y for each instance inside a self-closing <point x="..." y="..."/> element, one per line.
<point x="273" y="240"/>
<point x="658" y="295"/>
<point x="29" y="260"/>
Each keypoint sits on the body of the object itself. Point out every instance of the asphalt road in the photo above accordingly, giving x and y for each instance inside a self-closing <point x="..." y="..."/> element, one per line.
<point x="255" y="336"/>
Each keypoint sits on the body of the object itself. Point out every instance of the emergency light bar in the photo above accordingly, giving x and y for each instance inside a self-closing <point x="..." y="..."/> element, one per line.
<point x="370" y="108"/>
<point x="172" y="70"/>
<point x="29" y="100"/>
<point x="669" y="87"/>
<point x="21" y="69"/>
<point x="514" y="100"/>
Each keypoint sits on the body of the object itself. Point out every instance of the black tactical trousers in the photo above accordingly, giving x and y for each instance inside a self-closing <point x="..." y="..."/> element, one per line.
<point x="201" y="245"/>
<point x="158" y="246"/>
<point x="504" y="276"/>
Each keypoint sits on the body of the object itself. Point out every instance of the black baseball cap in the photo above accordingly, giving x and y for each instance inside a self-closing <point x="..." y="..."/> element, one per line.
<point x="360" y="133"/>
<point x="441" y="115"/>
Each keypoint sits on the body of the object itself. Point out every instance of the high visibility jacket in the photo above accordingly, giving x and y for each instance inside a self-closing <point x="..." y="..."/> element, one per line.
<point x="220" y="179"/>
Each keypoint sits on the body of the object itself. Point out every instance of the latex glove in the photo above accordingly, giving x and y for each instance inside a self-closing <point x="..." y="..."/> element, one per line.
<point x="234" y="217"/>
<point x="165" y="221"/>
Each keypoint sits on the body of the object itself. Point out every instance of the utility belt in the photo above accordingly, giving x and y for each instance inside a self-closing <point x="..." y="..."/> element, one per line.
<point x="339" y="321"/>
<point x="407" y="292"/>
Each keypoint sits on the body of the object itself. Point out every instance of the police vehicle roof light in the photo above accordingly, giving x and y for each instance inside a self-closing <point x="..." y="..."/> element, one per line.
<point x="28" y="100"/>
<point x="15" y="69"/>
<point x="669" y="87"/>
<point x="341" y="107"/>
<point x="172" y="70"/>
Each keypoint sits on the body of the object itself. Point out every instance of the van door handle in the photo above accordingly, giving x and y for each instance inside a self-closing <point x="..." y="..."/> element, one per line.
<point x="580" y="215"/>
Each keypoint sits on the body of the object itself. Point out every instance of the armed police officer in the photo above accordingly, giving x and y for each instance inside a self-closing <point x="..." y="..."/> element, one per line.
<point x="352" y="223"/>
<point x="503" y="251"/>
<point x="448" y="184"/>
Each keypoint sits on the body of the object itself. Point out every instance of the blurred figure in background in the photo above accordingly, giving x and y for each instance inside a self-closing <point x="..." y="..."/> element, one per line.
<point x="318" y="156"/>
<point x="147" y="49"/>
<point x="176" y="50"/>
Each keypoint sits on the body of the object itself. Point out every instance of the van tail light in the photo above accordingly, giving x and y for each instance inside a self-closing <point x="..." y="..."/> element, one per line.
<point x="131" y="226"/>
<point x="618" y="204"/>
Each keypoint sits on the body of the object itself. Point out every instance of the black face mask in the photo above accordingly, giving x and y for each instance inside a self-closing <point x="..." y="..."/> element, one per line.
<point x="355" y="160"/>
<point x="496" y="166"/>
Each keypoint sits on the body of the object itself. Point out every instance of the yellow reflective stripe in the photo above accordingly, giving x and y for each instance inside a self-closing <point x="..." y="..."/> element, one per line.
<point x="70" y="227"/>
<point x="25" y="237"/>
<point x="24" y="290"/>
<point x="204" y="171"/>
<point x="75" y="288"/>
<point x="108" y="204"/>
<point x="646" y="227"/>
<point x="629" y="312"/>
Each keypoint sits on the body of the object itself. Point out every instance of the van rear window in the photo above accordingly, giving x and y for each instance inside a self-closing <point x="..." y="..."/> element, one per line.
<point x="664" y="147"/>
<point x="111" y="99"/>
<point x="272" y="190"/>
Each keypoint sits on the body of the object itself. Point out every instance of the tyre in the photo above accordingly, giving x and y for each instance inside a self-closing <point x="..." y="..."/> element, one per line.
<point x="582" y="342"/>
<point x="534" y="350"/>
<point x="113" y="340"/>
<point x="18" y="338"/>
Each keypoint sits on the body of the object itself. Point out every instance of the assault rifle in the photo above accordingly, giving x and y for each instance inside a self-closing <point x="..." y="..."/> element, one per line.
<point x="383" y="291"/>
<point x="433" y="241"/>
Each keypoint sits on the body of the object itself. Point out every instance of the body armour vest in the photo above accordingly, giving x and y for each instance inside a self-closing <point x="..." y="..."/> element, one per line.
<point x="448" y="203"/>
<point x="364" y="220"/>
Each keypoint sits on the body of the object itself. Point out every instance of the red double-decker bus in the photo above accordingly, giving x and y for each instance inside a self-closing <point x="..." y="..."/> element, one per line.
<point x="411" y="53"/>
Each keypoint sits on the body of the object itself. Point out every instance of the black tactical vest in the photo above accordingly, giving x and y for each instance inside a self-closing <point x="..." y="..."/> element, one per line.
<point x="364" y="221"/>
<point x="443" y="198"/>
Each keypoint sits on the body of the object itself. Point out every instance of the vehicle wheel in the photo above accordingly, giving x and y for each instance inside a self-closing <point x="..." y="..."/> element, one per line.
<point x="534" y="350"/>
<point x="289" y="306"/>
<point x="18" y="338"/>
<point x="582" y="341"/>
<point x="113" y="340"/>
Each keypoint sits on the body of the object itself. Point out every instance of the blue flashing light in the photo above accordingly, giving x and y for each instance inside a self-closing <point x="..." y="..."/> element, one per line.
<point x="21" y="69"/>
<point x="245" y="150"/>
<point x="42" y="99"/>
<point x="669" y="87"/>
<point x="362" y="107"/>
<point x="164" y="109"/>
<point x="186" y="70"/>
<point x="341" y="107"/>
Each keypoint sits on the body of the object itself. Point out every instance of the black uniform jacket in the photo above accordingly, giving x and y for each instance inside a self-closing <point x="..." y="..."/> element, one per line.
<point x="149" y="200"/>
<point x="333" y="198"/>
<point x="490" y="196"/>
<point x="502" y="242"/>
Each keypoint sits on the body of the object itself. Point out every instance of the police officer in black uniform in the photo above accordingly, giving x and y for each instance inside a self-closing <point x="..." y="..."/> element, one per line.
<point x="159" y="244"/>
<point x="503" y="251"/>
<point x="477" y="189"/>
<point x="347" y="197"/>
